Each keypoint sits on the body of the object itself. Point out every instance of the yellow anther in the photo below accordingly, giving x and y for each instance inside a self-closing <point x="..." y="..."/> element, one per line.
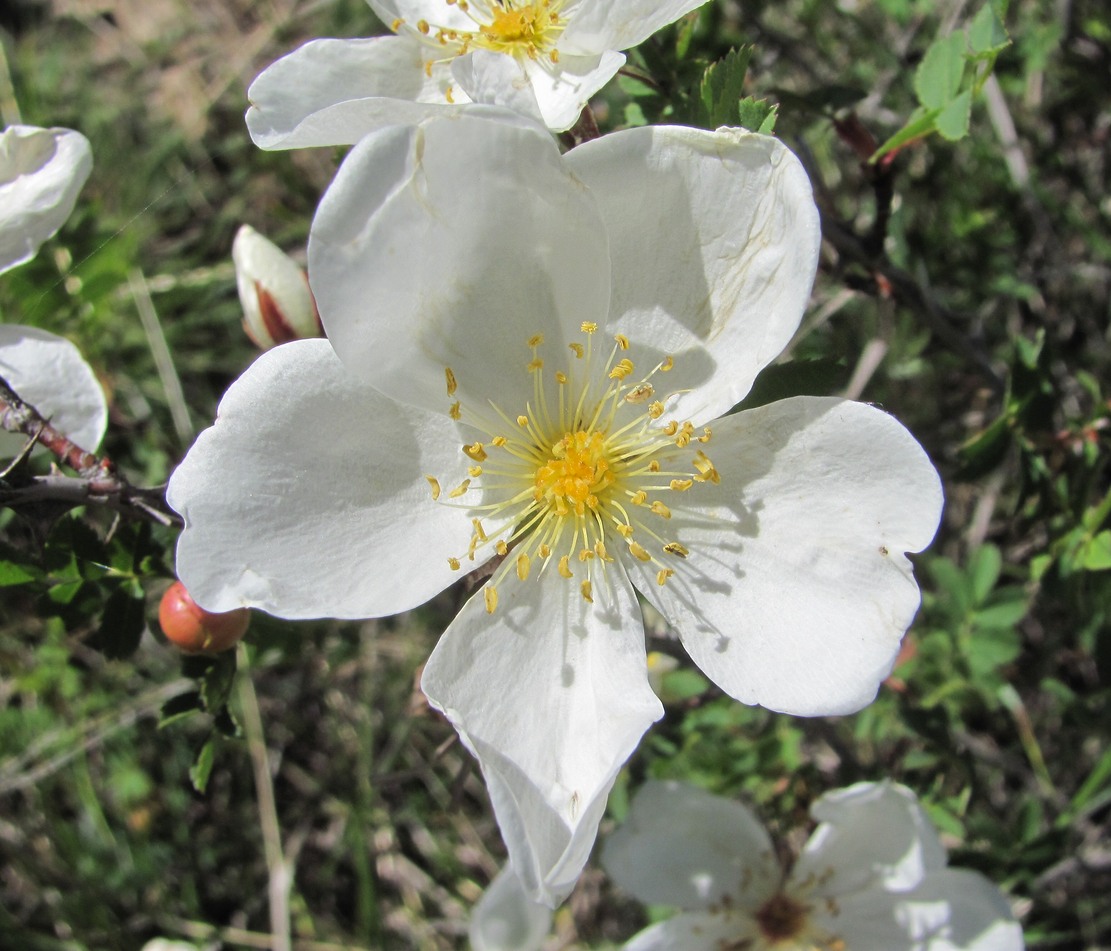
<point x="449" y="95"/>
<point x="561" y="377"/>
<point x="428" y="68"/>
<point x="706" y="434"/>
<point x="501" y="548"/>
<point x="460" y="489"/>
<point x="435" y="483"/>
<point x="476" y="451"/>
<point x="479" y="531"/>
<point x="474" y="471"/>
<point x="674" y="548"/>
<point x="624" y="530"/>
<point x="577" y="349"/>
<point x="655" y="410"/>
<point x="671" y="428"/>
<point x="622" y="341"/>
<point x="661" y="510"/>
<point x="454" y="411"/>
<point x="668" y="363"/>
<point x="522" y="420"/>
<point x="498" y="441"/>
<point x="564" y="567"/>
<point x="453" y="564"/>
<point x="586" y="591"/>
<point x="544" y="551"/>
<point x="535" y="340"/>
<point x="621" y="369"/>
<point x="638" y="552"/>
<point x="706" y="470"/>
<point x="585" y="554"/>
<point x="588" y="327"/>
<point x="639" y="393"/>
<point x="639" y="497"/>
<point x="654" y="465"/>
<point x="534" y="365"/>
<point x="451" y="384"/>
<point x="397" y="24"/>
<point x="423" y="27"/>
<point x="490" y="596"/>
<point x="662" y="575"/>
<point x="600" y="550"/>
<point x="523" y="565"/>
<point x="554" y="56"/>
<point x="464" y="6"/>
<point x="681" y="485"/>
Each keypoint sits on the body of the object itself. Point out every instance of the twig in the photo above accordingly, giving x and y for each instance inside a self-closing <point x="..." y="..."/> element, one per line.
<point x="200" y="931"/>
<point x="97" y="481"/>
<point x="585" y="129"/>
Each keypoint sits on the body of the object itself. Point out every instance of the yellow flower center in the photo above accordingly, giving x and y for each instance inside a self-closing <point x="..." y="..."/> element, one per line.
<point x="582" y="472"/>
<point x="522" y="30"/>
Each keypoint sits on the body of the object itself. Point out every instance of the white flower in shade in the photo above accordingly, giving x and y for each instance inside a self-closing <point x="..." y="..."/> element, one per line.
<point x="527" y="358"/>
<point x="872" y="877"/>
<point x="41" y="173"/>
<point x="543" y="58"/>
<point x="278" y="305"/>
<point x="505" y="919"/>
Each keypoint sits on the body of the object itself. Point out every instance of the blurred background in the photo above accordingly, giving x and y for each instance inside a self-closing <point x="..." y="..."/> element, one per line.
<point x="964" y="288"/>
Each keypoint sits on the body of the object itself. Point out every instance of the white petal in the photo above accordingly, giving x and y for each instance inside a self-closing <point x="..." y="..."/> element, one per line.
<point x="333" y="92"/>
<point x="49" y="373"/>
<point x="622" y="23"/>
<point x="551" y="694"/>
<point x="563" y="90"/>
<point x="952" y="910"/>
<point x="497" y="80"/>
<point x="273" y="291"/>
<point x="308" y="498"/>
<point x="683" y="846"/>
<point x="41" y="173"/>
<point x="796" y="592"/>
<point x="438" y="13"/>
<point x="872" y="835"/>
<point x="724" y="280"/>
<point x="697" y="931"/>
<point x="450" y="244"/>
<point x="505" y="920"/>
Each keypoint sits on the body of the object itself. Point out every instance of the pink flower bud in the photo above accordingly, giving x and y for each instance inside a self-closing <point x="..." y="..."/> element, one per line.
<point x="278" y="305"/>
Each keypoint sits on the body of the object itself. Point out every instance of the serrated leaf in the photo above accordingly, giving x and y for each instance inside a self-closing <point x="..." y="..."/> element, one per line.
<point x="12" y="573"/>
<point x="952" y="121"/>
<point x="757" y="115"/>
<point x="720" y="91"/>
<point x="986" y="34"/>
<point x="938" y="77"/>
<point x="202" y="765"/>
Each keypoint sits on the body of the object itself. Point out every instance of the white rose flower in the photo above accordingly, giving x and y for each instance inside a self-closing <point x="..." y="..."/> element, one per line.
<point x="543" y="58"/>
<point x="41" y="174"/>
<point x="872" y="877"/>
<point x="527" y="358"/>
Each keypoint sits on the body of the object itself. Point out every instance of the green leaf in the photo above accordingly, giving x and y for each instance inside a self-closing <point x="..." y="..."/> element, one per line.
<point x="938" y="78"/>
<point x="202" y="766"/>
<point x="1005" y="614"/>
<point x="984" y="568"/>
<point x="952" y="121"/>
<point x="13" y="573"/>
<point x="179" y="707"/>
<point x="720" y="92"/>
<point x="757" y="115"/>
<point x="1096" y="554"/>
<point x="991" y="648"/>
<point x="920" y="124"/>
<point x="121" y="625"/>
<point x="986" y="34"/>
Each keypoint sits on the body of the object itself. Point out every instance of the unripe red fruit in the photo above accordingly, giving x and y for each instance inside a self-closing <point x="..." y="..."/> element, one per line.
<point x="194" y="630"/>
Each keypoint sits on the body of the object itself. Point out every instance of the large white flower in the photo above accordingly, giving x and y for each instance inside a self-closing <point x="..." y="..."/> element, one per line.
<point x="872" y="877"/>
<point x="543" y="58"/>
<point x="41" y="174"/>
<point x="527" y="357"/>
<point x="504" y="919"/>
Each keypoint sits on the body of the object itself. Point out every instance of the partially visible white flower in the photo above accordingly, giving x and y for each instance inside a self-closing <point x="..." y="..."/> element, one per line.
<point x="531" y="359"/>
<point x="542" y="58"/>
<point x="167" y="944"/>
<point x="41" y="173"/>
<point x="872" y="877"/>
<point x="278" y="305"/>
<point x="505" y="919"/>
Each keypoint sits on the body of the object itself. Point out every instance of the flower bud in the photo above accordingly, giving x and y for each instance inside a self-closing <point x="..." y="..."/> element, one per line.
<point x="192" y="629"/>
<point x="278" y="305"/>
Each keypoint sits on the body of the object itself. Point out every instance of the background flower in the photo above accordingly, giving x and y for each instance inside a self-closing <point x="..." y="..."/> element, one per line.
<point x="506" y="920"/>
<point x="872" y="877"/>
<point x="543" y="58"/>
